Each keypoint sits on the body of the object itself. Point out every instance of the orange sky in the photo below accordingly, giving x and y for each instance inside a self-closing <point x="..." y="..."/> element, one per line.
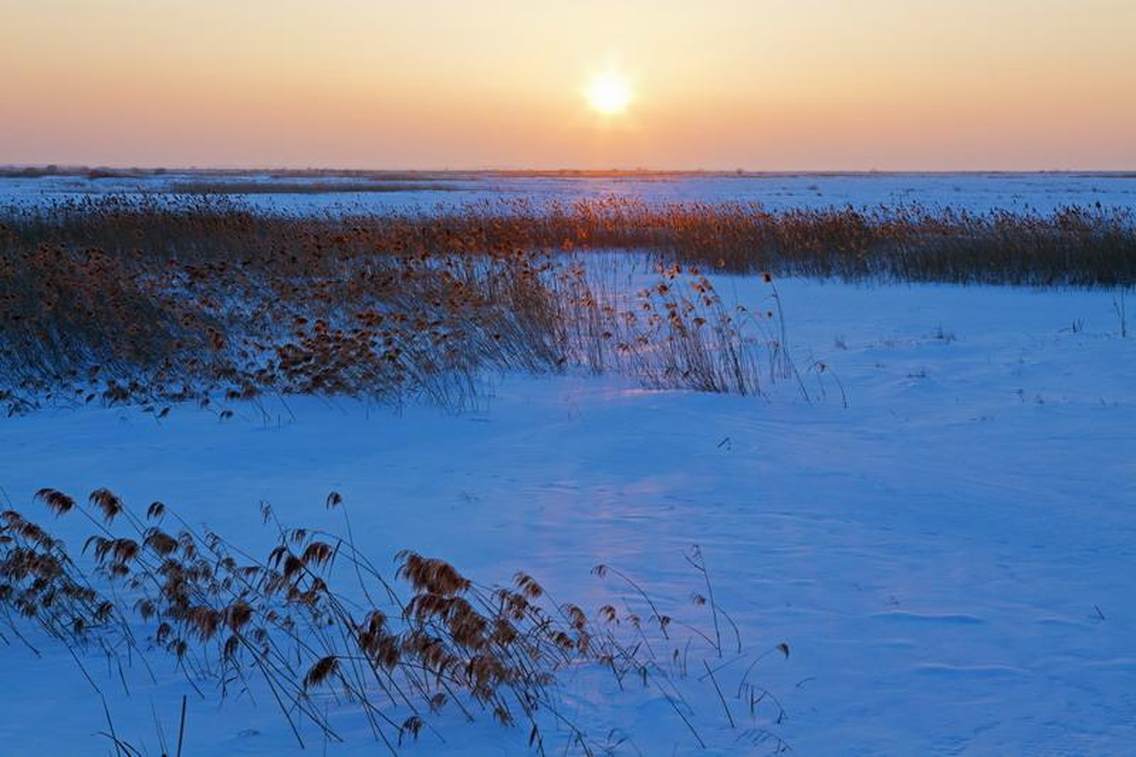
<point x="760" y="84"/>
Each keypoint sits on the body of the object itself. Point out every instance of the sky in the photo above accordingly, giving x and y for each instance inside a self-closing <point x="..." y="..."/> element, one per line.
<point x="430" y="84"/>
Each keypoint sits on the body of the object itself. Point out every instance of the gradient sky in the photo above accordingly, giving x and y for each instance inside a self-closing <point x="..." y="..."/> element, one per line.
<point x="754" y="84"/>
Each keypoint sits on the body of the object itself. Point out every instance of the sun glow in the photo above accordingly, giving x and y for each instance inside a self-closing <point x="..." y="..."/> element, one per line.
<point x="609" y="93"/>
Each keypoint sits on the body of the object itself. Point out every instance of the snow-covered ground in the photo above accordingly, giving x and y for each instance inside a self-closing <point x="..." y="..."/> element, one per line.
<point x="950" y="557"/>
<point x="1041" y="192"/>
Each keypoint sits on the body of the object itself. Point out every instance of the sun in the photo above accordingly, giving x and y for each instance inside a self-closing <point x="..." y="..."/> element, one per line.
<point x="609" y="93"/>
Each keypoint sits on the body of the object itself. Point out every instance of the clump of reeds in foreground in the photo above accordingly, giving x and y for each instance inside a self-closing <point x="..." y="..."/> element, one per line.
<point x="315" y="621"/>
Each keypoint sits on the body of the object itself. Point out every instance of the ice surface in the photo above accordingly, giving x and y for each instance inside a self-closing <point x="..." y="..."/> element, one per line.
<point x="1042" y="192"/>
<point x="950" y="557"/>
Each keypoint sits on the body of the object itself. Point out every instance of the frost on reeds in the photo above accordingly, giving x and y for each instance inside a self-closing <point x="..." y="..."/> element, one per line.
<point x="155" y="303"/>
<point x="323" y="632"/>
<point x="675" y="333"/>
<point x="157" y="300"/>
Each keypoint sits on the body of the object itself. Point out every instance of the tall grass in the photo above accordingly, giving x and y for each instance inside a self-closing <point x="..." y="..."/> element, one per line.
<point x="159" y="302"/>
<point x="314" y="620"/>
<point x="160" y="299"/>
<point x="1076" y="245"/>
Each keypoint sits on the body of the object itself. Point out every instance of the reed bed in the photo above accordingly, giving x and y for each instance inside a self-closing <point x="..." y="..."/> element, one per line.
<point x="159" y="302"/>
<point x="326" y="634"/>
<point x="162" y="299"/>
<point x="1074" y="246"/>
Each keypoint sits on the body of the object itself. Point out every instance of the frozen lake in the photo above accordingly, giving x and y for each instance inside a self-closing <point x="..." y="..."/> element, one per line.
<point x="949" y="554"/>
<point x="1042" y="192"/>
<point x="949" y="557"/>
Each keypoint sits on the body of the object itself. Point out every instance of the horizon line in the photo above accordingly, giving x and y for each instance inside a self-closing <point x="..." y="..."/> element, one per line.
<point x="65" y="169"/>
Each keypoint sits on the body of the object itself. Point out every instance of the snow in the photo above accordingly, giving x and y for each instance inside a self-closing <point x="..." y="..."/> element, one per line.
<point x="949" y="557"/>
<point x="1041" y="192"/>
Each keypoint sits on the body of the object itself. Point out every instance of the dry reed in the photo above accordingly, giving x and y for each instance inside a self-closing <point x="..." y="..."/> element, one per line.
<point x="315" y="620"/>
